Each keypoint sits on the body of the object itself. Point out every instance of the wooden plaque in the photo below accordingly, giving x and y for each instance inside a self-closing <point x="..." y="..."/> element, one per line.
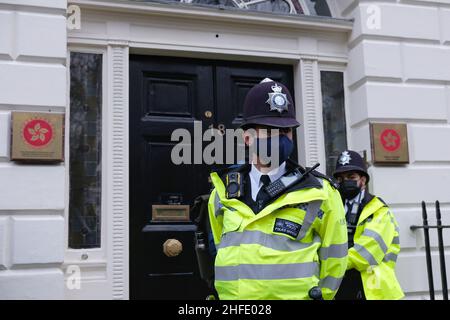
<point x="389" y="143"/>
<point x="37" y="136"/>
<point x="170" y="212"/>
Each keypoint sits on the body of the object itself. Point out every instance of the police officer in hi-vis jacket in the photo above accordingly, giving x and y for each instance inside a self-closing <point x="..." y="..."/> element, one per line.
<point x="372" y="235"/>
<point x="279" y="229"/>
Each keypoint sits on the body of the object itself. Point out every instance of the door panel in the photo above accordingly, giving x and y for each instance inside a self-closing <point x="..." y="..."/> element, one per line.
<point x="167" y="94"/>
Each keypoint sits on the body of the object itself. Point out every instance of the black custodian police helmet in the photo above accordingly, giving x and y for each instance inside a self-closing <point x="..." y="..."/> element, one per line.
<point x="351" y="161"/>
<point x="269" y="103"/>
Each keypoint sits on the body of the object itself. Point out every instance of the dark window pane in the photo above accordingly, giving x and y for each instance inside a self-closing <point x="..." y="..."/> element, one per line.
<point x="318" y="7"/>
<point x="85" y="143"/>
<point x="333" y="116"/>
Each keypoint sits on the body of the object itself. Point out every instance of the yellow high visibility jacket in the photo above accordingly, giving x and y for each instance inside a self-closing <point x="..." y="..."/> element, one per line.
<point x="295" y="243"/>
<point x="375" y="251"/>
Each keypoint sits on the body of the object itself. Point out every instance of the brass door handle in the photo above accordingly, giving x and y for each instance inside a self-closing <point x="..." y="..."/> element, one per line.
<point x="208" y="114"/>
<point x="172" y="247"/>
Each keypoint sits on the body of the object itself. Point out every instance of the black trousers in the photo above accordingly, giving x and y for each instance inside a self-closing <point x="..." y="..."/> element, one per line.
<point x="351" y="287"/>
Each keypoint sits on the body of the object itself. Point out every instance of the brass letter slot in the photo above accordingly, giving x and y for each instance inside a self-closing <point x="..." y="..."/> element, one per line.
<point x="170" y="212"/>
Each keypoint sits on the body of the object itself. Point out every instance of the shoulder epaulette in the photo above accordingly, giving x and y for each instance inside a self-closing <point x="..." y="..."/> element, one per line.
<point x="333" y="183"/>
<point x="382" y="201"/>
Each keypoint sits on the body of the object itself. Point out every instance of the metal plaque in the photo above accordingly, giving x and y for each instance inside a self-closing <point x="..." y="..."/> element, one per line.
<point x="163" y="212"/>
<point x="37" y="136"/>
<point x="389" y="143"/>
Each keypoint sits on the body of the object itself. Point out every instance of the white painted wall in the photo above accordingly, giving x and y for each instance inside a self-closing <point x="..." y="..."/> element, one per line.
<point x="400" y="72"/>
<point x="32" y="78"/>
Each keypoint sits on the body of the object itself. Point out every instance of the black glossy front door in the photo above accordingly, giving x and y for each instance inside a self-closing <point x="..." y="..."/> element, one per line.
<point x="167" y="94"/>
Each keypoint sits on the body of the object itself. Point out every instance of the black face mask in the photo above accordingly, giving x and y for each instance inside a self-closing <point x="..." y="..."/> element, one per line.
<point x="349" y="189"/>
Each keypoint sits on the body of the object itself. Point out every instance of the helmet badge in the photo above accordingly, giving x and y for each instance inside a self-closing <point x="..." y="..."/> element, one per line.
<point x="277" y="101"/>
<point x="344" y="158"/>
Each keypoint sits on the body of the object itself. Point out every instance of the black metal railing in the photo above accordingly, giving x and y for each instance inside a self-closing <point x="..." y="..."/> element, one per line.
<point x="426" y="227"/>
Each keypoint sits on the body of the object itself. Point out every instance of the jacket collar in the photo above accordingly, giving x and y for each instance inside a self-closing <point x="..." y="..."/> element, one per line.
<point x="310" y="188"/>
<point x="310" y="181"/>
<point x="286" y="199"/>
<point x="370" y="205"/>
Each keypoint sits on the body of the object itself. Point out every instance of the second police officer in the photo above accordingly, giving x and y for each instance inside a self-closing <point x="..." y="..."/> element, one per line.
<point x="279" y="230"/>
<point x="372" y="234"/>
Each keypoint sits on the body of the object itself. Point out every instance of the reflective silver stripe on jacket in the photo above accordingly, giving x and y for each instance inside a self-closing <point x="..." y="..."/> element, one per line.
<point x="390" y="257"/>
<point x="272" y="241"/>
<point x="395" y="225"/>
<point x="333" y="251"/>
<point x="396" y="240"/>
<point x="312" y="211"/>
<point x="267" y="271"/>
<point x="377" y="237"/>
<point x="217" y="205"/>
<point x="330" y="282"/>
<point x="365" y="254"/>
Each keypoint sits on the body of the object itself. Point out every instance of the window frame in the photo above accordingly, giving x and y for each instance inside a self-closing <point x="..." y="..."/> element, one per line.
<point x="303" y="3"/>
<point x="304" y="7"/>
<point x="343" y="69"/>
<point x="94" y="255"/>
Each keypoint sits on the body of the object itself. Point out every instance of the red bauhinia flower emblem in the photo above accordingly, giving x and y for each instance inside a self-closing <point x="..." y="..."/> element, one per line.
<point x="390" y="140"/>
<point x="38" y="132"/>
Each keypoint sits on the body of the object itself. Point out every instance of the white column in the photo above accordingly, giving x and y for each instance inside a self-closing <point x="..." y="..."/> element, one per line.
<point x="117" y="172"/>
<point x="310" y="113"/>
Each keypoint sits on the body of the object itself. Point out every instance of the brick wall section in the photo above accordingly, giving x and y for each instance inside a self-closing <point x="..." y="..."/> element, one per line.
<point x="33" y="50"/>
<point x="401" y="73"/>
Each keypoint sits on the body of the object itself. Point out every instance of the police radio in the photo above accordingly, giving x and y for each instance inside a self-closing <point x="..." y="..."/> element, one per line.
<point x="352" y="215"/>
<point x="281" y="184"/>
